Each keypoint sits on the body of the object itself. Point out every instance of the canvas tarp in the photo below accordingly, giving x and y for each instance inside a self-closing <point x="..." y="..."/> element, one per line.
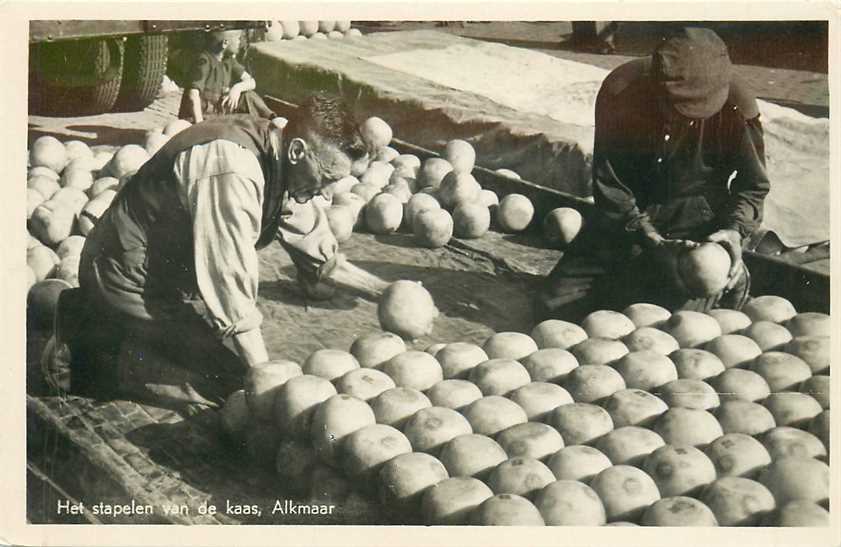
<point x="523" y="110"/>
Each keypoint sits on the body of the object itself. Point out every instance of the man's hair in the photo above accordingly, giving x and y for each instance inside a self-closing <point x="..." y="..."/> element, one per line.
<point x="330" y="118"/>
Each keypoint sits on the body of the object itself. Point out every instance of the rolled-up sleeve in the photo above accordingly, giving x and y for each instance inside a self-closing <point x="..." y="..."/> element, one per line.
<point x="306" y="235"/>
<point x="224" y="192"/>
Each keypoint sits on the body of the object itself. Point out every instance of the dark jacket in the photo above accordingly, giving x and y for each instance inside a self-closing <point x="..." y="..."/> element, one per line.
<point x="651" y="169"/>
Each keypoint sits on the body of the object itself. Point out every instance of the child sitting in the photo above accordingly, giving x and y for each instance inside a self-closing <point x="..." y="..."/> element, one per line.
<point x="218" y="84"/>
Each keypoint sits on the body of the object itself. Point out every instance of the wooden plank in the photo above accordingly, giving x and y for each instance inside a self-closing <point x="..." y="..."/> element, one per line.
<point x="808" y="289"/>
<point x="44" y="495"/>
<point x="83" y="466"/>
<point x="50" y="31"/>
<point x="823" y="266"/>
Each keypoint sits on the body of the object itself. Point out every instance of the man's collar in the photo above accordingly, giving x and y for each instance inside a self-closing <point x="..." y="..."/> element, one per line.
<point x="276" y="126"/>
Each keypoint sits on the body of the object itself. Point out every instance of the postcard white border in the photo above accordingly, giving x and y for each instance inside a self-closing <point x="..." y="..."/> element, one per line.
<point x="14" y="19"/>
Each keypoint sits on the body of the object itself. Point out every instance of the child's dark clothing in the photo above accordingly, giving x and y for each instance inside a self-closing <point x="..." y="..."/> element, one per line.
<point x="214" y="78"/>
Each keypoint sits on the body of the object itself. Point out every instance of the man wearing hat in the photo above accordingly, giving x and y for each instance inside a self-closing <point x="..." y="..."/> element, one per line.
<point x="678" y="159"/>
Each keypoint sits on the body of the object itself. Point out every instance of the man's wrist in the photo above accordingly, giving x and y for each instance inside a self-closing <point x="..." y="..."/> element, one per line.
<point x="327" y="269"/>
<point x="732" y="234"/>
<point x="251" y="347"/>
<point x="650" y="238"/>
<point x="735" y="228"/>
<point x="644" y="230"/>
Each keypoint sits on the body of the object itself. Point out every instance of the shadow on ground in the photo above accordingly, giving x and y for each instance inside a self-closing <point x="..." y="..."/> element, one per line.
<point x="499" y="302"/>
<point x="102" y="134"/>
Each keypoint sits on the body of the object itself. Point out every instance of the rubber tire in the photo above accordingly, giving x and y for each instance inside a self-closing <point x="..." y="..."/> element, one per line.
<point x="76" y="78"/>
<point x="145" y="67"/>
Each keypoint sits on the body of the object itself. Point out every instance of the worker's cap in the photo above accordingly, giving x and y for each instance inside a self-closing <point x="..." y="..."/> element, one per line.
<point x="694" y="69"/>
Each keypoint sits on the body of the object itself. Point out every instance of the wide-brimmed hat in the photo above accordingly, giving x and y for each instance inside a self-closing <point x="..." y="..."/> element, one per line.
<point x="693" y="69"/>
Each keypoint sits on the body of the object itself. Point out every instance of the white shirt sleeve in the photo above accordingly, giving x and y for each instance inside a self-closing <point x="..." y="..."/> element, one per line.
<point x="222" y="187"/>
<point x="305" y="233"/>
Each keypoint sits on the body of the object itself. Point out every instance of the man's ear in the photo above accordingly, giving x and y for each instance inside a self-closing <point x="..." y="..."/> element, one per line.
<point x="297" y="150"/>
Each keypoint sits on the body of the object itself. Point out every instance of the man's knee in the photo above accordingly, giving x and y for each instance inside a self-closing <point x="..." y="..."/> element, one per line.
<point x="252" y="103"/>
<point x="91" y="338"/>
<point x="736" y="297"/>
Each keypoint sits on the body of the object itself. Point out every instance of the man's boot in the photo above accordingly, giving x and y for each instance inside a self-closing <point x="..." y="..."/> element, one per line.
<point x="56" y="358"/>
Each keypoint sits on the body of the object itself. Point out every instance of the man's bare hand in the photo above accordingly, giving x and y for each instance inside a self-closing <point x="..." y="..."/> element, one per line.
<point x="347" y="275"/>
<point x="655" y="241"/>
<point x="732" y="243"/>
<point x="316" y="290"/>
<point x="678" y="244"/>
<point x="231" y="101"/>
<point x="665" y="254"/>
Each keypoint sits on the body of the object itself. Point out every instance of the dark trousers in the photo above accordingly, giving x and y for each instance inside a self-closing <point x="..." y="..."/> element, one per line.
<point x="583" y="282"/>
<point x="171" y="361"/>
